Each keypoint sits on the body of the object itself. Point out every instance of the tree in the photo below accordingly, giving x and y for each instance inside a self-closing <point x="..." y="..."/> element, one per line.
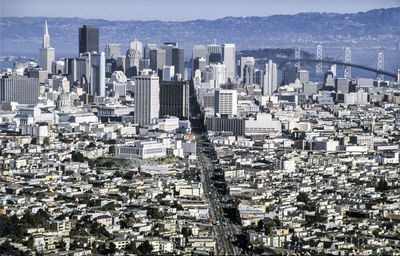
<point x="382" y="185"/>
<point x="77" y="157"/>
<point x="154" y="213"/>
<point x="302" y="197"/>
<point x="34" y="141"/>
<point x="145" y="248"/>
<point x="91" y="145"/>
<point x="131" y="248"/>
<point x="186" y="232"/>
<point x="111" y="150"/>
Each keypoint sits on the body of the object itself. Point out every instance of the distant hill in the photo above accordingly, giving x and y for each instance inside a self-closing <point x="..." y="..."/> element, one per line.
<point x="373" y="29"/>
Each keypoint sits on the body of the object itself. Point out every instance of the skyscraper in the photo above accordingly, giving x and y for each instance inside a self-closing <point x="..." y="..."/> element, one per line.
<point x="138" y="47"/>
<point x="226" y="102"/>
<point x="46" y="53"/>
<point x="157" y="60"/>
<point x="88" y="39"/>
<point x="270" y="78"/>
<point x="213" y="53"/>
<point x="95" y="73"/>
<point x="243" y="62"/>
<point x="147" y="99"/>
<point x="199" y="51"/>
<point x="248" y="73"/>
<point x="303" y="76"/>
<point x="289" y="75"/>
<point x="174" y="99"/>
<point x="168" y="73"/>
<point x="113" y="51"/>
<point x="178" y="60"/>
<point x="168" y="46"/>
<point x="229" y="59"/>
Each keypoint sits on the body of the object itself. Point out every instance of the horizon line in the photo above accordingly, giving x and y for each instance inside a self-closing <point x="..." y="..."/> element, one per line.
<point x="224" y="17"/>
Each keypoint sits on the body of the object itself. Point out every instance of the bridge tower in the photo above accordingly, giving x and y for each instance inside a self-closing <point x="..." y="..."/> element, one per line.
<point x="318" y="67"/>
<point x="380" y="65"/>
<point x="347" y="59"/>
<point x="297" y="57"/>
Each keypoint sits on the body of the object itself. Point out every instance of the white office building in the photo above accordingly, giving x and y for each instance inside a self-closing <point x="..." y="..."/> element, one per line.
<point x="168" y="73"/>
<point x="147" y="99"/>
<point x="226" y="102"/>
<point x="270" y="78"/>
<point x="142" y="150"/>
<point x="229" y="59"/>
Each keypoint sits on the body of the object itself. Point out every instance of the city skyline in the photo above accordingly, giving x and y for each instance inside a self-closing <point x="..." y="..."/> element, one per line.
<point x="179" y="10"/>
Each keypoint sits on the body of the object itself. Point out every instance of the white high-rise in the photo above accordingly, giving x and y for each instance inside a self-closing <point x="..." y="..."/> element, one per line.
<point x="229" y="59"/>
<point x="270" y="78"/>
<point x="46" y="53"/>
<point x="225" y="102"/>
<point x="168" y="73"/>
<point x="218" y="74"/>
<point x="147" y="99"/>
<point x="138" y="47"/>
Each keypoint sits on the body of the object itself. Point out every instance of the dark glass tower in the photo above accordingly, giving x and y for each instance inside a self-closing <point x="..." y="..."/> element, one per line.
<point x="177" y="60"/>
<point x="88" y="39"/>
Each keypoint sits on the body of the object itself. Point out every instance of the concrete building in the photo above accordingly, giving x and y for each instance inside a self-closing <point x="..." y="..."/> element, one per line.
<point x="95" y="73"/>
<point x="226" y="102"/>
<point x="19" y="89"/>
<point x="229" y="59"/>
<point x="303" y="76"/>
<point x="270" y="78"/>
<point x="147" y="99"/>
<point x="112" y="51"/>
<point x="142" y="150"/>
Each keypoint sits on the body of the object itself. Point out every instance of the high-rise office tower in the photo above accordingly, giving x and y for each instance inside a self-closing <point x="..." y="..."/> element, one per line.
<point x="303" y="76"/>
<point x="259" y="77"/>
<point x="157" y="60"/>
<point x="21" y="89"/>
<point x="168" y="46"/>
<point x="270" y="78"/>
<point x="113" y="51"/>
<point x="229" y="59"/>
<point x="289" y="75"/>
<point x="132" y="60"/>
<point x="243" y="62"/>
<point x="88" y="39"/>
<point x="199" y="51"/>
<point x="248" y="73"/>
<point x="174" y="99"/>
<point x="216" y="73"/>
<point x="138" y="47"/>
<point x="225" y="102"/>
<point x="342" y="85"/>
<point x="46" y="53"/>
<point x="75" y="69"/>
<point x="199" y="63"/>
<point x="147" y="49"/>
<point x="147" y="99"/>
<point x="213" y="53"/>
<point x="178" y="60"/>
<point x="95" y="73"/>
<point x="168" y="73"/>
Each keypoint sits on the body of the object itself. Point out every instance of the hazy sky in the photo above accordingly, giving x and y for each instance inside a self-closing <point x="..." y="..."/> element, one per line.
<point x="181" y="9"/>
